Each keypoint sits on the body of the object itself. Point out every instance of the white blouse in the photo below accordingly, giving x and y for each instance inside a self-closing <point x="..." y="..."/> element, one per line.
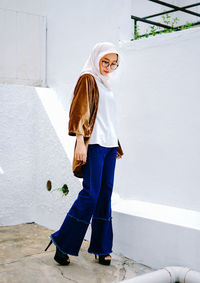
<point x="105" y="127"/>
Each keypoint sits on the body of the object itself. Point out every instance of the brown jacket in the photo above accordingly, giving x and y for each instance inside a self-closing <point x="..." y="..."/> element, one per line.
<point x="82" y="114"/>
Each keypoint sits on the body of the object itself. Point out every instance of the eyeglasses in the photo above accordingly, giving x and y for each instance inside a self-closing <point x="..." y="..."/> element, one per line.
<point x="113" y="66"/>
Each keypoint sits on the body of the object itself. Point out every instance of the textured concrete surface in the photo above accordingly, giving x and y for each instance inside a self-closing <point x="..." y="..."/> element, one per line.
<point x="23" y="260"/>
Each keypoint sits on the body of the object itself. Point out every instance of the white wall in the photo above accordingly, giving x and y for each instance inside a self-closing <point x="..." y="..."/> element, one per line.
<point x="23" y="42"/>
<point x="34" y="148"/>
<point x="23" y="48"/>
<point x="17" y="156"/>
<point x="159" y="120"/>
<point x="38" y="7"/>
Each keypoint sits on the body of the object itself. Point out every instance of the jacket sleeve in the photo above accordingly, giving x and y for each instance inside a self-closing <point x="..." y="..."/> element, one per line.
<point x="79" y="113"/>
<point x="119" y="149"/>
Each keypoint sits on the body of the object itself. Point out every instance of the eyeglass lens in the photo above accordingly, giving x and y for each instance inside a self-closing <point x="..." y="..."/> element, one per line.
<point x="112" y="66"/>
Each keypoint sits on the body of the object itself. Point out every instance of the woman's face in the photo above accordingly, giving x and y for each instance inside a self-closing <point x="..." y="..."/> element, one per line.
<point x="104" y="67"/>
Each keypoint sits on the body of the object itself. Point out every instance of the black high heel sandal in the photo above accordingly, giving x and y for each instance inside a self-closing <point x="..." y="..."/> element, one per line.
<point x="49" y="245"/>
<point x="59" y="256"/>
<point x="102" y="259"/>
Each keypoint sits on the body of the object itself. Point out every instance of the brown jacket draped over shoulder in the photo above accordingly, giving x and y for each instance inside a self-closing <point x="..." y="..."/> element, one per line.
<point x="82" y="115"/>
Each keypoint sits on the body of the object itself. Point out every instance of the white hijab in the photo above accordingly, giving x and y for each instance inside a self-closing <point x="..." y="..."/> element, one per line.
<point x="92" y="64"/>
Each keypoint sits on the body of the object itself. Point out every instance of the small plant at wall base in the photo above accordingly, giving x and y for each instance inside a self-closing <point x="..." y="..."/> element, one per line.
<point x="64" y="189"/>
<point x="154" y="30"/>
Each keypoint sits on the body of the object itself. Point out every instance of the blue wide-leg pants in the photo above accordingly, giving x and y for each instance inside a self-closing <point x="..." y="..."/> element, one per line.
<point x="92" y="206"/>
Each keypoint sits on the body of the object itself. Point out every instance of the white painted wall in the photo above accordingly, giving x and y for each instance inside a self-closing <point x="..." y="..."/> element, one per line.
<point x="17" y="155"/>
<point x="34" y="148"/>
<point x="23" y="43"/>
<point x="23" y="48"/>
<point x="38" y="7"/>
<point x="159" y="99"/>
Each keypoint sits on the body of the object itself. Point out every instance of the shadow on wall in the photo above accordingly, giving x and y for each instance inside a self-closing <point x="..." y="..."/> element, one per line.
<point x="35" y="147"/>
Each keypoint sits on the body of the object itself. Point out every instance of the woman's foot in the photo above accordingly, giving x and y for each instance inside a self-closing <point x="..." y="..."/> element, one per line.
<point x="104" y="259"/>
<point x="61" y="258"/>
<point x="108" y="257"/>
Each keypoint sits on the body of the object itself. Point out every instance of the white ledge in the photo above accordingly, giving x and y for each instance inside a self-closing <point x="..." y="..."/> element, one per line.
<point x="163" y="213"/>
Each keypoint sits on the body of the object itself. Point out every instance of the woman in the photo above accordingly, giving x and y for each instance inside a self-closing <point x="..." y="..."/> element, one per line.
<point x="92" y="118"/>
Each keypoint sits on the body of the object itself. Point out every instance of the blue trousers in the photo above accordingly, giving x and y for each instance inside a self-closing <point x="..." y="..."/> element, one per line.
<point x="92" y="206"/>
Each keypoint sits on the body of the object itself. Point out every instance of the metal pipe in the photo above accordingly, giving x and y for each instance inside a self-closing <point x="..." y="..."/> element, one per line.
<point x="169" y="274"/>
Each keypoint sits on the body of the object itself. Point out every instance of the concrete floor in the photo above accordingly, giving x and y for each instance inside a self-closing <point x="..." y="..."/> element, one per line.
<point x="23" y="260"/>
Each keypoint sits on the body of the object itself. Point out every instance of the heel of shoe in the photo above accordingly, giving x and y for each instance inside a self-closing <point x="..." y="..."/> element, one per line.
<point x="48" y="245"/>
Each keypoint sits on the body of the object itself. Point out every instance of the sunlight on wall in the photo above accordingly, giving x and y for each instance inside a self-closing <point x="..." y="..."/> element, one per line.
<point x="1" y="171"/>
<point x="58" y="118"/>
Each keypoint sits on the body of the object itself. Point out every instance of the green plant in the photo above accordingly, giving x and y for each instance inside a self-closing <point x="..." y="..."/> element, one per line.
<point x="64" y="189"/>
<point x="187" y="25"/>
<point x="137" y="35"/>
<point x="154" y="30"/>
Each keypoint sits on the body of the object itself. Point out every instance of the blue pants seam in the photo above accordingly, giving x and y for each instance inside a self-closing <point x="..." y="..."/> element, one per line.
<point x="105" y="253"/>
<point x="80" y="220"/>
<point x="104" y="219"/>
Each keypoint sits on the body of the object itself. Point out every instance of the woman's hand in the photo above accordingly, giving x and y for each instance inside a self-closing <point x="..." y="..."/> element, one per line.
<point x="80" y="150"/>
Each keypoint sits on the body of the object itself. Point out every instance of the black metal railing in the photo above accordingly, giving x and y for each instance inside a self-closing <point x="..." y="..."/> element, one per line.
<point x="165" y="27"/>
